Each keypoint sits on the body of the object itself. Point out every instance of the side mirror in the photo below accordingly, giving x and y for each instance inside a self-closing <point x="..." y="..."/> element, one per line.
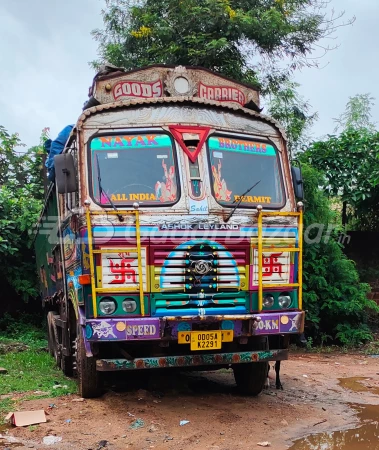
<point x="65" y="174"/>
<point x="297" y="180"/>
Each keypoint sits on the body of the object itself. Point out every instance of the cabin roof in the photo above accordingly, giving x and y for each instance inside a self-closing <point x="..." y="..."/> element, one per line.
<point x="167" y="100"/>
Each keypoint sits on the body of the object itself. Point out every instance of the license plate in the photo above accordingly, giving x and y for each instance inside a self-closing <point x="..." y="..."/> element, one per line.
<point x="205" y="340"/>
<point x="184" y="337"/>
<point x="227" y="335"/>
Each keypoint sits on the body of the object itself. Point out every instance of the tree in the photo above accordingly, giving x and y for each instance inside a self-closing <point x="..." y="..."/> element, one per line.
<point x="336" y="302"/>
<point x="21" y="168"/>
<point x="21" y="192"/>
<point x="349" y="162"/>
<point x="11" y="162"/>
<point x="357" y="115"/>
<point x="242" y="39"/>
<point x="19" y="211"/>
<point x="293" y="112"/>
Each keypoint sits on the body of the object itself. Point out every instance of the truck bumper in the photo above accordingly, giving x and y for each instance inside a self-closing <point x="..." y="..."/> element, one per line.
<point x="156" y="328"/>
<point x="208" y="359"/>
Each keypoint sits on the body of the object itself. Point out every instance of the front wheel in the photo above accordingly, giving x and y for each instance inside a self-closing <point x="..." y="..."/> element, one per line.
<point x="251" y="377"/>
<point x="89" y="380"/>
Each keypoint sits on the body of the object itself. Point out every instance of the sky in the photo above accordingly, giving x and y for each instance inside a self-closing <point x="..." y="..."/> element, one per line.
<point x="46" y="46"/>
<point x="353" y="68"/>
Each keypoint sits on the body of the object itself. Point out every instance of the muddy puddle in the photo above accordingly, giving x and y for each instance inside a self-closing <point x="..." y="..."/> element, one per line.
<point x="359" y="384"/>
<point x="364" y="437"/>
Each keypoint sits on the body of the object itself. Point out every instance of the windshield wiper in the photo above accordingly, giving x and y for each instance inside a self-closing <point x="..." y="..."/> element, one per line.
<point x="102" y="191"/>
<point x="240" y="200"/>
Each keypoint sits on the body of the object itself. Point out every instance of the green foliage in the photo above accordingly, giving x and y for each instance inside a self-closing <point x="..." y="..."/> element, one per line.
<point x="372" y="348"/>
<point x="20" y="203"/>
<point x="309" y="344"/>
<point x="29" y="329"/>
<point x="357" y="115"/>
<point x="351" y="336"/>
<point x="349" y="164"/>
<point x="11" y="162"/>
<point x="335" y="300"/>
<point x="237" y="38"/>
<point x="30" y="370"/>
<point x="19" y="211"/>
<point x="350" y="167"/>
<point x="293" y="112"/>
<point x="6" y="405"/>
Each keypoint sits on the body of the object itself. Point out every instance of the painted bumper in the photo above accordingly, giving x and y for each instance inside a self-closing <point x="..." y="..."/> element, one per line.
<point x="153" y="328"/>
<point x="208" y="359"/>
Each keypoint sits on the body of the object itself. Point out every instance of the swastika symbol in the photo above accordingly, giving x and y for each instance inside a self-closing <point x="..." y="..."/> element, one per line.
<point x="272" y="265"/>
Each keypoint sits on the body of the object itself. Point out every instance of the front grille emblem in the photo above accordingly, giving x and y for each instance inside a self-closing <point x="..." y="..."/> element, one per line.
<point x="202" y="267"/>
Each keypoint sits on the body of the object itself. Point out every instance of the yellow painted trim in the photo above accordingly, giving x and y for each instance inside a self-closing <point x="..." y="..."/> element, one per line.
<point x="99" y="278"/>
<point x="272" y="285"/>
<point x="154" y="279"/>
<point x="91" y="262"/>
<point x="171" y="289"/>
<point x="280" y="213"/>
<point x="260" y="261"/>
<point x="280" y="249"/>
<point x="300" y="270"/>
<point x="115" y="213"/>
<point x="140" y="275"/>
<point x="243" y="272"/>
<point x="247" y="276"/>
<point x="269" y="241"/>
<point x="115" y="250"/>
<point x="105" y="290"/>
<point x="147" y="267"/>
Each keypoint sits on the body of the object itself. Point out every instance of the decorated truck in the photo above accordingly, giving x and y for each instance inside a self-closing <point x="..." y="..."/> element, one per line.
<point x="171" y="234"/>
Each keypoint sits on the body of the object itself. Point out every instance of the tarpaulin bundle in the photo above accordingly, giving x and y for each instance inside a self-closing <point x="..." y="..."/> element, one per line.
<point x="55" y="148"/>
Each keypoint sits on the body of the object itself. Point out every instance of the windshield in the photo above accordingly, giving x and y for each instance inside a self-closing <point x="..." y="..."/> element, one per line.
<point x="237" y="164"/>
<point x="134" y="168"/>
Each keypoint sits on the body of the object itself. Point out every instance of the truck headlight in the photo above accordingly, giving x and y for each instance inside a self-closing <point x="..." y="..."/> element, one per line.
<point x="284" y="300"/>
<point x="107" y="305"/>
<point x="129" y="305"/>
<point x="268" y="301"/>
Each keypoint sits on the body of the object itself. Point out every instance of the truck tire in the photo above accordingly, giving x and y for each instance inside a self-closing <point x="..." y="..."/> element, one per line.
<point x="50" y="335"/>
<point x="53" y="343"/>
<point x="251" y="377"/>
<point x="67" y="366"/>
<point x="89" y="380"/>
<point x="68" y="337"/>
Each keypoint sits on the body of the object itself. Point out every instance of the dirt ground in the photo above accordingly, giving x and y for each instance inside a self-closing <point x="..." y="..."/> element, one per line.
<point x="219" y="419"/>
